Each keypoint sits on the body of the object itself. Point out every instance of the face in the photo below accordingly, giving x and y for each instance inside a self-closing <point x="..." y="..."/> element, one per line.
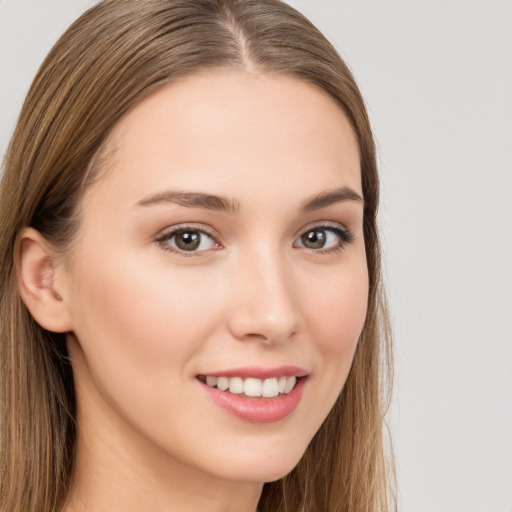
<point x="223" y="246"/>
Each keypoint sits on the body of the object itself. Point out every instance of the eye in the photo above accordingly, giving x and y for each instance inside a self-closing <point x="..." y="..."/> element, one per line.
<point x="325" y="238"/>
<point x="191" y="240"/>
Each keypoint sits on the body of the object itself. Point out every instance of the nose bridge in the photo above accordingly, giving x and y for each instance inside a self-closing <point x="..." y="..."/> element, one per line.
<point x="266" y="306"/>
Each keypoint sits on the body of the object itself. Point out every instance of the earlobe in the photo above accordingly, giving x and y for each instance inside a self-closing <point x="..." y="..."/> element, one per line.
<point x="36" y="268"/>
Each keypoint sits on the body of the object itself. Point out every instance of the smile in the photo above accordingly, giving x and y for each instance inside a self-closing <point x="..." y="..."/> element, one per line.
<point x="256" y="395"/>
<point x="251" y="386"/>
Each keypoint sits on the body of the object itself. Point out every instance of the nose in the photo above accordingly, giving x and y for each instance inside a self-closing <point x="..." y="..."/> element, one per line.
<point x="264" y="306"/>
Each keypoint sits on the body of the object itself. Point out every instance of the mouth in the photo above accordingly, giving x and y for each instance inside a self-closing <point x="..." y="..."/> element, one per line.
<point x="256" y="395"/>
<point x="251" y="387"/>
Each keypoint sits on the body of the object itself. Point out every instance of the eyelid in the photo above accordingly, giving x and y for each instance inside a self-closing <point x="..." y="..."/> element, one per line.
<point x="171" y="231"/>
<point x="336" y="226"/>
<point x="347" y="237"/>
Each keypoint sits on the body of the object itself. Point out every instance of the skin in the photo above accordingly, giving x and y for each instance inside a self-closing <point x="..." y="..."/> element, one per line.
<point x="146" y="320"/>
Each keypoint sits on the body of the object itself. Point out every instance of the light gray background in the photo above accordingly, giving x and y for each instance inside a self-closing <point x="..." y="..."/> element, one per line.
<point x="437" y="77"/>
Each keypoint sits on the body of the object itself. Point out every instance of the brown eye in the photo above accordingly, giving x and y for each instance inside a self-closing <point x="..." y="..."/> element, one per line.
<point x="314" y="239"/>
<point x="325" y="238"/>
<point x="188" y="240"/>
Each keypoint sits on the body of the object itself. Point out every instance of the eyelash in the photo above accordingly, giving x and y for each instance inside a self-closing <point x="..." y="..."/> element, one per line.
<point x="182" y="229"/>
<point x="346" y="237"/>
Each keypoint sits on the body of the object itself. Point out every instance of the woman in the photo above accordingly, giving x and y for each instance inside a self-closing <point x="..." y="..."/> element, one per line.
<point x="192" y="316"/>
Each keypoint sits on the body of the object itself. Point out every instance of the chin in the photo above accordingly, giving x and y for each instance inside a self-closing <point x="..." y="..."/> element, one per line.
<point x="264" y="466"/>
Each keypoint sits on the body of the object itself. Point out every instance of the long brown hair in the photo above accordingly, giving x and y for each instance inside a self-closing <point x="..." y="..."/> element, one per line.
<point x="114" y="55"/>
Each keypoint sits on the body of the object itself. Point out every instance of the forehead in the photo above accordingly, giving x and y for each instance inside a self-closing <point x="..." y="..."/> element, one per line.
<point x="233" y="133"/>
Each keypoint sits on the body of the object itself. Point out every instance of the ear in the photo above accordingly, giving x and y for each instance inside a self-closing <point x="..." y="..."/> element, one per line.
<point x="41" y="282"/>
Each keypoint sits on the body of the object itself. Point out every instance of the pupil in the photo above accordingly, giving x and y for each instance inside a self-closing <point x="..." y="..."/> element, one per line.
<point x="188" y="241"/>
<point x="314" y="239"/>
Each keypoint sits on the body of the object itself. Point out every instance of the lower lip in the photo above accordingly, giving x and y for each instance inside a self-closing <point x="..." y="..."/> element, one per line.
<point x="258" y="410"/>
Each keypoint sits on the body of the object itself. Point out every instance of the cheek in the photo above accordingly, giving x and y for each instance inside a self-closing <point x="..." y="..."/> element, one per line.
<point x="336" y="315"/>
<point x="143" y="317"/>
<point x="139" y="327"/>
<point x="337" y="311"/>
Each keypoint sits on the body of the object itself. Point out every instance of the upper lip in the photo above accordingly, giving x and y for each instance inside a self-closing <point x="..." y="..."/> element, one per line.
<point x="260" y="372"/>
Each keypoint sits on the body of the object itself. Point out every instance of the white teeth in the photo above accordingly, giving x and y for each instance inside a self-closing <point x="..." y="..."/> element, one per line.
<point x="290" y="383"/>
<point x="236" y="385"/>
<point x="222" y="383"/>
<point x="252" y="387"/>
<point x="267" y="388"/>
<point x="211" y="381"/>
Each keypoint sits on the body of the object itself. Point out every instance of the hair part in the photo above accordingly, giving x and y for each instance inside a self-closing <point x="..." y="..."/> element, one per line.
<point x="112" y="57"/>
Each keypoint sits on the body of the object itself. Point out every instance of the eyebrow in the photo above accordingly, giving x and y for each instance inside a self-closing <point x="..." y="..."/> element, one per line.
<point x="193" y="200"/>
<point x="225" y="204"/>
<point x="329" y="198"/>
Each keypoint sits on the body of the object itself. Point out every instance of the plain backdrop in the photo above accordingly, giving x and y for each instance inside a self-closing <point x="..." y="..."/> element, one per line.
<point x="437" y="78"/>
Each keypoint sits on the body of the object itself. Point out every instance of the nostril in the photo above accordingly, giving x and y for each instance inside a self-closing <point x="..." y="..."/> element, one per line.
<point x="273" y="337"/>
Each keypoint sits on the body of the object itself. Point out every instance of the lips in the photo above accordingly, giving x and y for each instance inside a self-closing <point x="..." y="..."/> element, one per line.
<point x="256" y="395"/>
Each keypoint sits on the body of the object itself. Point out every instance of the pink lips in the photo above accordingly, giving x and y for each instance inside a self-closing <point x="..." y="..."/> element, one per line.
<point x="259" y="410"/>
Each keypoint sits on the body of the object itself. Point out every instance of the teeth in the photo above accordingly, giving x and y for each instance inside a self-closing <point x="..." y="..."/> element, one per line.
<point x="290" y="382"/>
<point x="222" y="383"/>
<point x="236" y="385"/>
<point x="211" y="381"/>
<point x="267" y="388"/>
<point x="252" y="387"/>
